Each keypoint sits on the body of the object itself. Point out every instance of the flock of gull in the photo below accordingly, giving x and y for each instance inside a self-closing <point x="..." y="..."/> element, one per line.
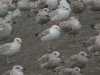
<point x="57" y="13"/>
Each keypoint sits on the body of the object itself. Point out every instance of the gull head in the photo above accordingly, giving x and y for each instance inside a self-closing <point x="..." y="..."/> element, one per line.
<point x="18" y="68"/>
<point x="82" y="53"/>
<point x="55" y="27"/>
<point x="46" y="10"/>
<point x="76" y="69"/>
<point x="56" y="53"/>
<point x="71" y="18"/>
<point x="18" y="40"/>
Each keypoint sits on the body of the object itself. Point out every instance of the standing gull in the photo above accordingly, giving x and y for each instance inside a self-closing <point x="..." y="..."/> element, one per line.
<point x="50" y="34"/>
<point x="10" y="49"/>
<point x="71" y="26"/>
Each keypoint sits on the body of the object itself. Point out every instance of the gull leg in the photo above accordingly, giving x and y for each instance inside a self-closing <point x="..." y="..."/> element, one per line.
<point x="74" y="37"/>
<point x="8" y="60"/>
<point x="93" y="58"/>
<point x="13" y="21"/>
<point x="53" y="73"/>
<point x="48" y="46"/>
<point x="47" y="72"/>
<point x="12" y="14"/>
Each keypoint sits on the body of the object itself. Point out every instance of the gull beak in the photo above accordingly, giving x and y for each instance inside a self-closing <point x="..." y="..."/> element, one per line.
<point x="60" y="56"/>
<point x="24" y="69"/>
<point x="87" y="56"/>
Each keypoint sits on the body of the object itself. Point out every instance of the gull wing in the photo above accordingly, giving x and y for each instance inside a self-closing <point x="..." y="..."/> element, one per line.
<point x="45" y="32"/>
<point x="5" y="47"/>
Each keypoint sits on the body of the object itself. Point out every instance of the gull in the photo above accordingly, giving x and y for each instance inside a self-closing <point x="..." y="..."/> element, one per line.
<point x="10" y="49"/>
<point x="79" y="60"/>
<point x="50" y="61"/>
<point x="12" y="5"/>
<point x="92" y="39"/>
<point x="5" y="29"/>
<point x="43" y="16"/>
<point x="3" y="10"/>
<point x="68" y="71"/>
<point x="96" y="27"/>
<point x="65" y="4"/>
<point x="77" y="6"/>
<point x="34" y="3"/>
<point x="53" y="33"/>
<point x="63" y="71"/>
<point x="23" y="5"/>
<point x="71" y="26"/>
<point x="52" y="4"/>
<point x="12" y="15"/>
<point x="95" y="47"/>
<point x="60" y="14"/>
<point x="93" y="5"/>
<point x="50" y="34"/>
<point x="42" y="4"/>
<point x="16" y="70"/>
<point x="76" y="71"/>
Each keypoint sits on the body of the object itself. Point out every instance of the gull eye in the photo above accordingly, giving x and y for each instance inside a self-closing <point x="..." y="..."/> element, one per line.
<point x="55" y="54"/>
<point x="83" y="54"/>
<point x="67" y="9"/>
<point x="17" y="67"/>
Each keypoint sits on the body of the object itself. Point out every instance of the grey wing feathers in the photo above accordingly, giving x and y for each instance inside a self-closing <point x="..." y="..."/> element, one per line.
<point x="91" y="41"/>
<point x="45" y="32"/>
<point x="54" y="13"/>
<point x="43" y="59"/>
<point x="5" y="47"/>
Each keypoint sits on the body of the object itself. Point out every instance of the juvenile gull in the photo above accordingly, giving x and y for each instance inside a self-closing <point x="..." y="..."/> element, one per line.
<point x="3" y="10"/>
<point x="23" y="5"/>
<point x="50" y="61"/>
<point x="76" y="71"/>
<point x="5" y="29"/>
<point x="79" y="60"/>
<point x="71" y="26"/>
<point x="16" y="70"/>
<point x="43" y="16"/>
<point x="42" y="4"/>
<point x="96" y="27"/>
<point x="77" y="6"/>
<point x="95" y="47"/>
<point x="93" y="5"/>
<point x="10" y="49"/>
<point x="68" y="71"/>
